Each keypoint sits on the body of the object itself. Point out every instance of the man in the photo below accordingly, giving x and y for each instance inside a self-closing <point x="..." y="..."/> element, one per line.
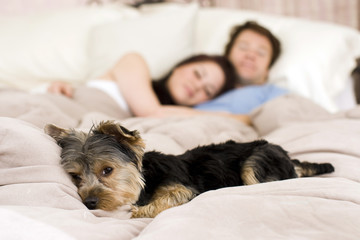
<point x="252" y="49"/>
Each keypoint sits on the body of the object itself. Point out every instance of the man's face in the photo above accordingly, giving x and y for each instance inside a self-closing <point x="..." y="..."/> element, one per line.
<point x="251" y="55"/>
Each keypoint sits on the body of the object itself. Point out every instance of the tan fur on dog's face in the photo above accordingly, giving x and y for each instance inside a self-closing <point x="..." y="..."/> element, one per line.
<point x="114" y="184"/>
<point x="104" y="164"/>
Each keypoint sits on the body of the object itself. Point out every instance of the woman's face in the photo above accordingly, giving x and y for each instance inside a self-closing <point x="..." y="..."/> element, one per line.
<point x="251" y="56"/>
<point x="196" y="82"/>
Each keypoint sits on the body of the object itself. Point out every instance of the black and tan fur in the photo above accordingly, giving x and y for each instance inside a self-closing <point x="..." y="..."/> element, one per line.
<point x="110" y="168"/>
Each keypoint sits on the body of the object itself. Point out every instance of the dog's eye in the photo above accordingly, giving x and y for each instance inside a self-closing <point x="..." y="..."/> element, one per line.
<point x="76" y="177"/>
<point x="106" y="171"/>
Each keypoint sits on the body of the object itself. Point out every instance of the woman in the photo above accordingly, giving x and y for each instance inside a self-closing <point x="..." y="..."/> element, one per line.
<point x="191" y="82"/>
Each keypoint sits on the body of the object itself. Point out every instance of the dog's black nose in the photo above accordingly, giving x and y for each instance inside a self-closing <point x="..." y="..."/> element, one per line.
<point x="91" y="202"/>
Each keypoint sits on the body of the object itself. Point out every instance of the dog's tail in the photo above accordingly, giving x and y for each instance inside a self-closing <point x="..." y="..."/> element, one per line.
<point x="307" y="169"/>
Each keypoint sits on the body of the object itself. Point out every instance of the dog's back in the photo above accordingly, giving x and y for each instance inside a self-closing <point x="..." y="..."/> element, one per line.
<point x="221" y="165"/>
<point x="202" y="169"/>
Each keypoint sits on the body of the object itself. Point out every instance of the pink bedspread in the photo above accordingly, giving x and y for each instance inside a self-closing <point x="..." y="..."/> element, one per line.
<point x="38" y="200"/>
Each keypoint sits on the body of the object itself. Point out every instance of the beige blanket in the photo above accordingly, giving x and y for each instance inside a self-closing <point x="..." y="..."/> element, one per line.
<point x="38" y="200"/>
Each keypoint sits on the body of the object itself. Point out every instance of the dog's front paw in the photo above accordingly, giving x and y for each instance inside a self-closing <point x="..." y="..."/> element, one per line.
<point x="147" y="211"/>
<point x="134" y="211"/>
<point x="122" y="212"/>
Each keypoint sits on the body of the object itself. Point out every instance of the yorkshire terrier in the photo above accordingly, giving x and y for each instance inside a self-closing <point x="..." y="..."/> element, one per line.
<point x="110" y="168"/>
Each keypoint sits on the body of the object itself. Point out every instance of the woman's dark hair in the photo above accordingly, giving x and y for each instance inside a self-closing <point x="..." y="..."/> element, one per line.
<point x="231" y="77"/>
<point x="254" y="26"/>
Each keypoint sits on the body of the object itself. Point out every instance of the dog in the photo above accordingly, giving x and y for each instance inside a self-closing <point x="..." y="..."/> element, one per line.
<point x="110" y="168"/>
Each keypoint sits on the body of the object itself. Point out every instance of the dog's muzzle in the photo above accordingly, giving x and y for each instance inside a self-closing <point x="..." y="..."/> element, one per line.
<point x="91" y="202"/>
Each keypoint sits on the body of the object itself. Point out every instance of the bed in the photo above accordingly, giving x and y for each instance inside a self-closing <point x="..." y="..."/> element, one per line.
<point x="319" y="122"/>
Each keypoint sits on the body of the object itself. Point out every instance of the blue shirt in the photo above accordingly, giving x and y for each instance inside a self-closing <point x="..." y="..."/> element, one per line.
<point x="243" y="100"/>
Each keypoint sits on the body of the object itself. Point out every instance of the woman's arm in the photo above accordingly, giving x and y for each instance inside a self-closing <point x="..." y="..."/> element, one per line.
<point x="167" y="110"/>
<point x="132" y="76"/>
<point x="62" y="88"/>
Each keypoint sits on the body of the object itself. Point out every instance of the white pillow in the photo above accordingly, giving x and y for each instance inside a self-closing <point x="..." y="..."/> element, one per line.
<point x="316" y="60"/>
<point x="163" y="35"/>
<point x="53" y="46"/>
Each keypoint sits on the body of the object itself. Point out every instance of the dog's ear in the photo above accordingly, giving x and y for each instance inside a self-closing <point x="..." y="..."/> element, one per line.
<point x="119" y="132"/>
<point x="56" y="132"/>
<point x="125" y="137"/>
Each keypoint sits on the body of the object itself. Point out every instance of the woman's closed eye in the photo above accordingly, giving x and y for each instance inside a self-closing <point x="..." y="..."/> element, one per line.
<point x="197" y="74"/>
<point x="207" y="89"/>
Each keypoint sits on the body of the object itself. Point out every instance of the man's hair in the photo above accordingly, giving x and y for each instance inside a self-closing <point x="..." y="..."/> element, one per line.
<point x="254" y="26"/>
<point x="226" y="66"/>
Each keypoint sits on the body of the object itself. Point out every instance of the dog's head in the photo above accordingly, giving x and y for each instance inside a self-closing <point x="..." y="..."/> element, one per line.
<point x="105" y="164"/>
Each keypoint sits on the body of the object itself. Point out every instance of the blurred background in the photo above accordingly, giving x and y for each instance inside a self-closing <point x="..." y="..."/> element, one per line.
<point x="345" y="12"/>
